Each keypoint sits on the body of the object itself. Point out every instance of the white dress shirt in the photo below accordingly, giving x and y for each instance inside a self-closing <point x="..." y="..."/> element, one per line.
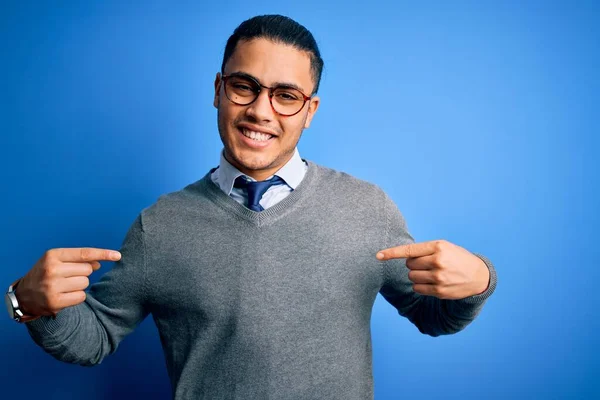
<point x="292" y="173"/>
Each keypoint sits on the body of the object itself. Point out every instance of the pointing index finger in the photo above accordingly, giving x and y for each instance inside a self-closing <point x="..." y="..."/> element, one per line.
<point x="86" y="254"/>
<point x="411" y="250"/>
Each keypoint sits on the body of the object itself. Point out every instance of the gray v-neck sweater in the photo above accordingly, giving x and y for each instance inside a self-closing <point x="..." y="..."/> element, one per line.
<point x="257" y="305"/>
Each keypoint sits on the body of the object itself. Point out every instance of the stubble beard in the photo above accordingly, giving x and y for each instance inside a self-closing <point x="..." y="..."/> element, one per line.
<point x="252" y="163"/>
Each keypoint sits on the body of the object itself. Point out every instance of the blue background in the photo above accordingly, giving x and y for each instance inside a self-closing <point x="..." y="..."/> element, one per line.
<point x="479" y="119"/>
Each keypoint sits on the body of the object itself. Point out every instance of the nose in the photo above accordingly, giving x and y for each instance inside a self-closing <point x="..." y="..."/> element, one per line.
<point x="261" y="109"/>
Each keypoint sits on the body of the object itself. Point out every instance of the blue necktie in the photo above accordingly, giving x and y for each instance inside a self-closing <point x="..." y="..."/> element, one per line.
<point x="256" y="189"/>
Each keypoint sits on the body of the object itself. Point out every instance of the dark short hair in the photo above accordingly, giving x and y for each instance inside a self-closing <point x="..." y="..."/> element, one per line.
<point x="279" y="29"/>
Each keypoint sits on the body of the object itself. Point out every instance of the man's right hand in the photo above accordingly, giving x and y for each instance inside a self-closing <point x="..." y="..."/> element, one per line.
<point x="59" y="278"/>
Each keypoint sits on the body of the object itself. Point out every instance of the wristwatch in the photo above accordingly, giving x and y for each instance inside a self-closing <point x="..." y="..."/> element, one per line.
<point x="12" y="305"/>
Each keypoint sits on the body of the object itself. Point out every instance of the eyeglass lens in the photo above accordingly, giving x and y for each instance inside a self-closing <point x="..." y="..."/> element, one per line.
<point x="244" y="91"/>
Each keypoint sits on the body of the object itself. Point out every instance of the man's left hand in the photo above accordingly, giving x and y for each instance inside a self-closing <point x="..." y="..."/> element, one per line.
<point x="441" y="269"/>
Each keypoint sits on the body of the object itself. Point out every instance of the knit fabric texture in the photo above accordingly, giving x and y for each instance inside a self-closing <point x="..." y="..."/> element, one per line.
<point x="258" y="305"/>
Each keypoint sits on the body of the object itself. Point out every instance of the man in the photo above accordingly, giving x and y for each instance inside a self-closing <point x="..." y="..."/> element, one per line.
<point x="260" y="276"/>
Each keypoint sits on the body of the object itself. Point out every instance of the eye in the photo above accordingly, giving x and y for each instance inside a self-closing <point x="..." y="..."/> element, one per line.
<point x="286" y="95"/>
<point x="242" y="86"/>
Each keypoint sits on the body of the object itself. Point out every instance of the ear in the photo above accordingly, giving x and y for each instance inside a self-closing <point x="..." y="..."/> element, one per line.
<point x="218" y="81"/>
<point x="312" y="109"/>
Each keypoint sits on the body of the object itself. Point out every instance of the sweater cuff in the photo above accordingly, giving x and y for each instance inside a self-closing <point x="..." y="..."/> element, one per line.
<point x="47" y="326"/>
<point x="482" y="297"/>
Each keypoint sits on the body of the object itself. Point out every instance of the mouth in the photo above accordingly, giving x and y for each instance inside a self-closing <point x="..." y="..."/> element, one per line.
<point x="255" y="139"/>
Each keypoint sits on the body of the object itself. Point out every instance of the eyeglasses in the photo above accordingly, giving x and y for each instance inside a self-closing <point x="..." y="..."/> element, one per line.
<point x="244" y="90"/>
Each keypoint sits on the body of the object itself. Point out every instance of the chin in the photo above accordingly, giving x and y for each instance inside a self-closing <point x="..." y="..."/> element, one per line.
<point x="257" y="164"/>
<point x="251" y="160"/>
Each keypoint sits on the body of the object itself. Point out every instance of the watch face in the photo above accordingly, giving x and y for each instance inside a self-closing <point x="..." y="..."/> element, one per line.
<point x="9" y="306"/>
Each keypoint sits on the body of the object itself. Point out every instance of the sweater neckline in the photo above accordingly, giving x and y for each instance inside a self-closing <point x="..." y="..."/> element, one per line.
<point x="271" y="214"/>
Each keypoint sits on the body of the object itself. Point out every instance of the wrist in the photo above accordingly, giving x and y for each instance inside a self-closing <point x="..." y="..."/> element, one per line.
<point x="484" y="274"/>
<point x="21" y="312"/>
<point x="22" y="300"/>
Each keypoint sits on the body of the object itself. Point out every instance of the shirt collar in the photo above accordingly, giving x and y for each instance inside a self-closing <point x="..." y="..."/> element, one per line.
<point x="292" y="172"/>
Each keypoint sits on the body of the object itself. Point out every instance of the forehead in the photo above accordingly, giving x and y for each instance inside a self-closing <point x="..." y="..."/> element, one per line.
<point x="271" y="63"/>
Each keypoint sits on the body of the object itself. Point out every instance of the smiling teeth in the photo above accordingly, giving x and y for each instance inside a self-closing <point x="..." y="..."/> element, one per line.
<point x="261" y="137"/>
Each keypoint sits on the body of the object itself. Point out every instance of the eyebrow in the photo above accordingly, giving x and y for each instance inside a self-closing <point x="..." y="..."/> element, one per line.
<point x="275" y="84"/>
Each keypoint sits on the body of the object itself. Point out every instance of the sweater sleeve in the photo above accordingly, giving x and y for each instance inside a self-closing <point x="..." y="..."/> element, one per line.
<point x="86" y="333"/>
<point x="429" y="314"/>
